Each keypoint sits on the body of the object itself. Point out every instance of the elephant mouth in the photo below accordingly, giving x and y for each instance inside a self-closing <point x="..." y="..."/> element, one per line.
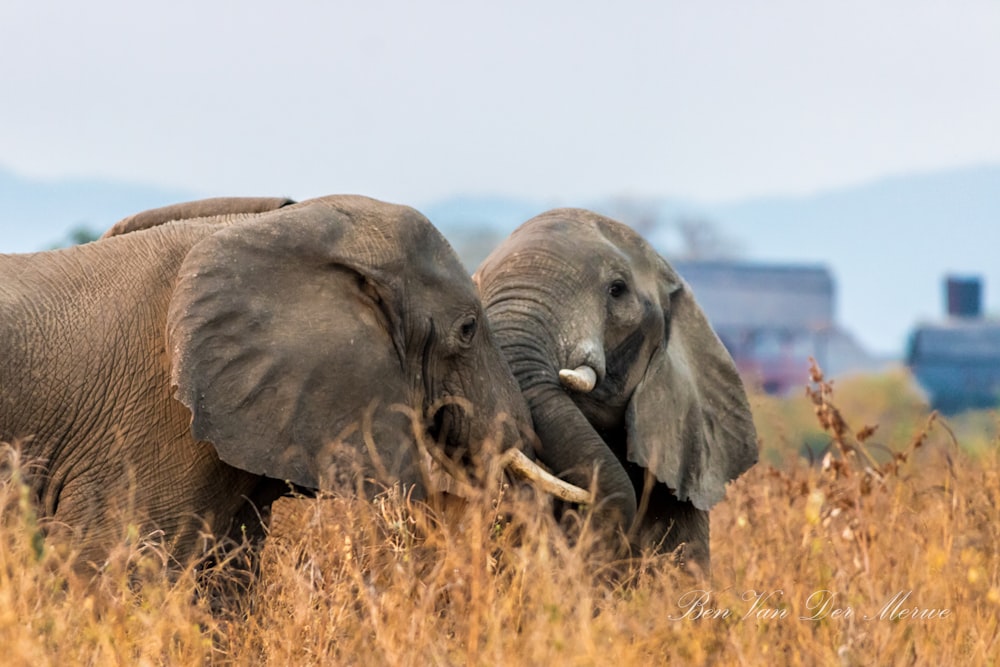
<point x="448" y="428"/>
<point x="438" y="427"/>
<point x="584" y="383"/>
<point x="609" y="379"/>
<point x="604" y="404"/>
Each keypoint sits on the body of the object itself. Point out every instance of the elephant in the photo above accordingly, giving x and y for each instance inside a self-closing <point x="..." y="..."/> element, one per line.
<point x="628" y="385"/>
<point x="200" y="360"/>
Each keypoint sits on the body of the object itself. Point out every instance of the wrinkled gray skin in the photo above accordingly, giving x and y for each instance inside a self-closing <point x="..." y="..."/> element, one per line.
<point x="186" y="364"/>
<point x="667" y="424"/>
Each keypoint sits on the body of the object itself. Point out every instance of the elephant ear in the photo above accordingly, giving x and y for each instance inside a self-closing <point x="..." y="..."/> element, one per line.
<point x="284" y="335"/>
<point x="689" y="420"/>
<point x="203" y="208"/>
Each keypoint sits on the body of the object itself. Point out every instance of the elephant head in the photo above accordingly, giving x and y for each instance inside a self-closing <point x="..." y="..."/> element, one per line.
<point x="627" y="383"/>
<point x="341" y="320"/>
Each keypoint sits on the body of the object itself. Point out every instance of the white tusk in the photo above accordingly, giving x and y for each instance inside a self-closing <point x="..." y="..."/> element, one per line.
<point x="522" y="466"/>
<point x="582" y="379"/>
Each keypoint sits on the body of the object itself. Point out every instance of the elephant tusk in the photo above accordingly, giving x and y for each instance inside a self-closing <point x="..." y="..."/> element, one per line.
<point x="582" y="379"/>
<point x="523" y="467"/>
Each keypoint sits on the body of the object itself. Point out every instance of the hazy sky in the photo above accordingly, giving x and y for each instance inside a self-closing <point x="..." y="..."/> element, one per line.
<point x="415" y="101"/>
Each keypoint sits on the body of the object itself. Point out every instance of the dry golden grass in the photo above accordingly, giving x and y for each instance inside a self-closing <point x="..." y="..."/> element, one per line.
<point x="812" y="564"/>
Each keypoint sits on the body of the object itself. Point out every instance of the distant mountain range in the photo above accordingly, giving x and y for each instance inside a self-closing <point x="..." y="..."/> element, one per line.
<point x="888" y="243"/>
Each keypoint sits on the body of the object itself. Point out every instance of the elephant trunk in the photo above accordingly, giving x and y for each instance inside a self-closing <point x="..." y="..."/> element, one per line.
<point x="576" y="453"/>
<point x="569" y="444"/>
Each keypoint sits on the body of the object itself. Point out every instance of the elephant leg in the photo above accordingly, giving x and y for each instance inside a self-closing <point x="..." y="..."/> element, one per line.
<point x="87" y="511"/>
<point x="667" y="523"/>
<point x="181" y="492"/>
<point x="210" y="495"/>
<point x="663" y="523"/>
<point x="254" y="519"/>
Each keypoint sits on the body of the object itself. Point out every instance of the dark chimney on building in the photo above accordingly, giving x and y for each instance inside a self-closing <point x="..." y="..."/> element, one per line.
<point x="964" y="295"/>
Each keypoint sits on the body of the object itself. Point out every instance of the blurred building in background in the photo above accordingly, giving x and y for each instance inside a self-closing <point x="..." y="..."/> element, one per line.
<point x="957" y="360"/>
<point x="772" y="318"/>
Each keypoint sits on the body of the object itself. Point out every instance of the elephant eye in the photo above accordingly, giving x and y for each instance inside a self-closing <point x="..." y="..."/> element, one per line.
<point x="617" y="288"/>
<point x="467" y="330"/>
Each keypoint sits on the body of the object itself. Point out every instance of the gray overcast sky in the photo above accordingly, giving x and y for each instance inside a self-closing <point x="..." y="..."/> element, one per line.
<point x="417" y="101"/>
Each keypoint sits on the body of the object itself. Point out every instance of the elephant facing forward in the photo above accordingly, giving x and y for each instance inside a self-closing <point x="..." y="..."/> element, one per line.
<point x="624" y="376"/>
<point x="198" y="358"/>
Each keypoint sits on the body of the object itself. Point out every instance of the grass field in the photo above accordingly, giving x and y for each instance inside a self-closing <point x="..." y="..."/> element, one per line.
<point x="845" y="545"/>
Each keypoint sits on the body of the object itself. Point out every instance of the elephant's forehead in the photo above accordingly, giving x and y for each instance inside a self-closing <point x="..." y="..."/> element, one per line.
<point x="578" y="241"/>
<point x="393" y="223"/>
<point x="443" y="275"/>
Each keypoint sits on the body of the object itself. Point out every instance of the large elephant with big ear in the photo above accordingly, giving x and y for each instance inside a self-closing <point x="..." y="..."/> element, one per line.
<point x="199" y="359"/>
<point x="628" y="385"/>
